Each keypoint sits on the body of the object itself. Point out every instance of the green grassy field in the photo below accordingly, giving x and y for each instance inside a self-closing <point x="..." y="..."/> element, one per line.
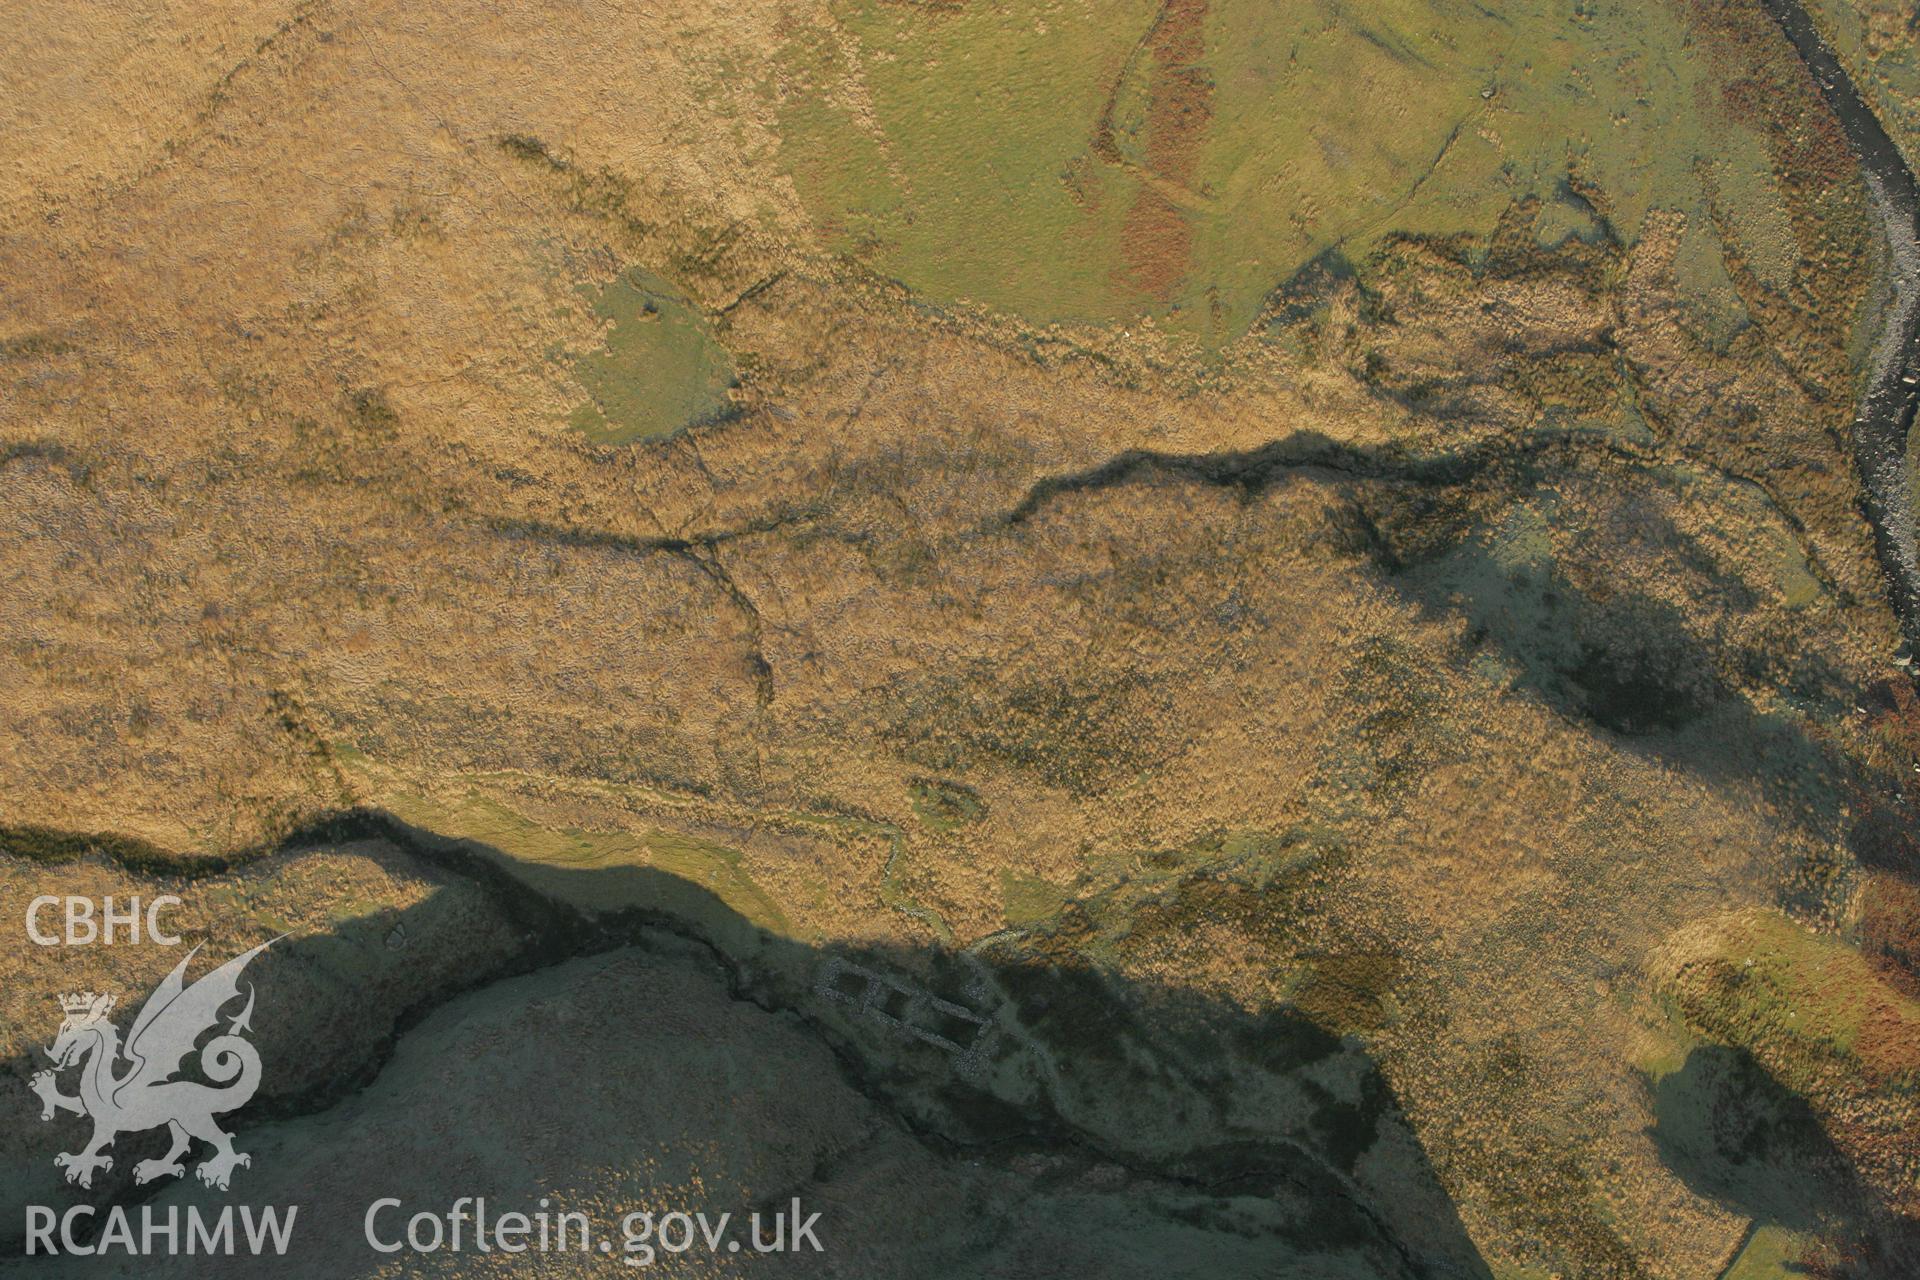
<point x="660" y="369"/>
<point x="1091" y="164"/>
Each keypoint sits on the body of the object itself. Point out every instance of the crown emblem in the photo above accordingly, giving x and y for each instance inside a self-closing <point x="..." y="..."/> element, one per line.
<point x="85" y="1002"/>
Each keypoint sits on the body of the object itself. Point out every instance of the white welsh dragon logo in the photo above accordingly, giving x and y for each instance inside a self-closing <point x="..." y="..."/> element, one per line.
<point x="144" y="1096"/>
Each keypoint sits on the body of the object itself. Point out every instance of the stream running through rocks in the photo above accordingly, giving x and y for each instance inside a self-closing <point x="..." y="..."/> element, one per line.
<point x="1885" y="415"/>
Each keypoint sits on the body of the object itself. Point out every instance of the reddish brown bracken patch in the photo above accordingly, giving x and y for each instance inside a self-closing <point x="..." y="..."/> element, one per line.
<point x="1156" y="242"/>
<point x="1890" y="929"/>
<point x="1885" y="836"/>
<point x="1889" y="1043"/>
<point x="1762" y="81"/>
